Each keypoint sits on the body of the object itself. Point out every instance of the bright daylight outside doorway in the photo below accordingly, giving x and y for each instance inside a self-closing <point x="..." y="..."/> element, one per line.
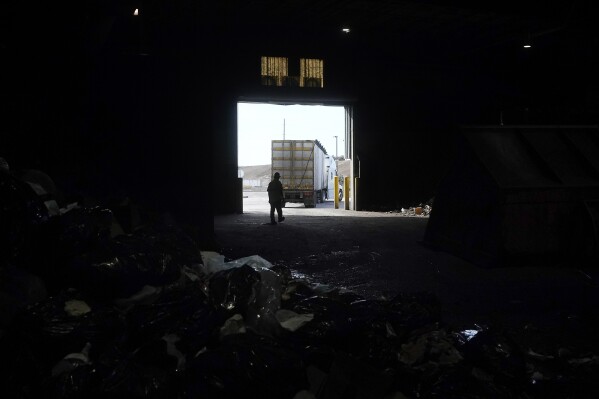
<point x="258" y="124"/>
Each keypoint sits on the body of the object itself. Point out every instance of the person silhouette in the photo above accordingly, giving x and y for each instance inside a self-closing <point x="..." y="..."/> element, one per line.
<point x="275" y="196"/>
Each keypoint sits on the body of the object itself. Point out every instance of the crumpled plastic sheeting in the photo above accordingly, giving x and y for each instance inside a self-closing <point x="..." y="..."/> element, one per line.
<point x="234" y="290"/>
<point x="291" y="321"/>
<point x="168" y="327"/>
<point x="255" y="261"/>
<point x="214" y="262"/>
<point x="246" y="286"/>
<point x="233" y="325"/>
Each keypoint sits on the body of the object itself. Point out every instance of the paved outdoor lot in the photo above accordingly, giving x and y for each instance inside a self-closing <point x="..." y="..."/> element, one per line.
<point x="257" y="202"/>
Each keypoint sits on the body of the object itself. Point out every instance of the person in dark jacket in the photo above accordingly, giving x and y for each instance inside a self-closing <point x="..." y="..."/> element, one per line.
<point x="275" y="197"/>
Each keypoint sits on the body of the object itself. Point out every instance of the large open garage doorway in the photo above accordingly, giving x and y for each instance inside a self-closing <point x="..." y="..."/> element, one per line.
<point x="310" y="137"/>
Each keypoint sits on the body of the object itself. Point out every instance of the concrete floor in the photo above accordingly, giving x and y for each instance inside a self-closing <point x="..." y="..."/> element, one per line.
<point x="379" y="254"/>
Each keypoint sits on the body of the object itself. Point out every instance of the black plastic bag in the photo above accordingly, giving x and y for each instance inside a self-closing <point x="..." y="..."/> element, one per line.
<point x="234" y="290"/>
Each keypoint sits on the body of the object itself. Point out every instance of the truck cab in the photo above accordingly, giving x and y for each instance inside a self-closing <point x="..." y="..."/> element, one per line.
<point x="331" y="170"/>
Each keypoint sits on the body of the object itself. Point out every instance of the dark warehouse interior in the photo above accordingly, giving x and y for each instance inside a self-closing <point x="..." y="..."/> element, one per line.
<point x="488" y="111"/>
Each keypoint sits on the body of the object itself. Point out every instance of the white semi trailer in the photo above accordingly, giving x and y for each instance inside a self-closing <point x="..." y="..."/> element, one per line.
<point x="306" y="170"/>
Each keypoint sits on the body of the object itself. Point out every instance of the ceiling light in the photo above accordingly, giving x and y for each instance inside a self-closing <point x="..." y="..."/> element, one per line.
<point x="345" y="30"/>
<point x="136" y="12"/>
<point x="527" y="42"/>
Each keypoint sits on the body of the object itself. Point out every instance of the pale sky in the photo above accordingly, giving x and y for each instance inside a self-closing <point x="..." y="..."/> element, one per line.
<point x="258" y="124"/>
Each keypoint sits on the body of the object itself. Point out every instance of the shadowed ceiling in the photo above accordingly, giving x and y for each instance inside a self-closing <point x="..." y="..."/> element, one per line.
<point x="448" y="29"/>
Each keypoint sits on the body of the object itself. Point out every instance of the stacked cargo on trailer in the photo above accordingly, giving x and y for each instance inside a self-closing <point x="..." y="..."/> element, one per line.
<point x="303" y="168"/>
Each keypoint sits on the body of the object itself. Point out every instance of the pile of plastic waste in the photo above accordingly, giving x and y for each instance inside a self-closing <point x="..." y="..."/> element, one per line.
<point x="149" y="315"/>
<point x="415" y="211"/>
<point x="422" y="210"/>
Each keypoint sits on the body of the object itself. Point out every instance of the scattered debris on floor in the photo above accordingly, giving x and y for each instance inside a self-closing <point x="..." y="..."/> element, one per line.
<point x="414" y="211"/>
<point x="422" y="210"/>
<point x="90" y="314"/>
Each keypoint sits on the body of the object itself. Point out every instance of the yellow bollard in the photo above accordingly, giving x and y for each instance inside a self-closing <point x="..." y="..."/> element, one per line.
<point x="346" y="193"/>
<point x="356" y="196"/>
<point x="336" y="191"/>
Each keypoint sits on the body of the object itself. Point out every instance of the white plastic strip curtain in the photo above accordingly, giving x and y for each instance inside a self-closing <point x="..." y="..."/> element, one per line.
<point x="311" y="72"/>
<point x="274" y="69"/>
